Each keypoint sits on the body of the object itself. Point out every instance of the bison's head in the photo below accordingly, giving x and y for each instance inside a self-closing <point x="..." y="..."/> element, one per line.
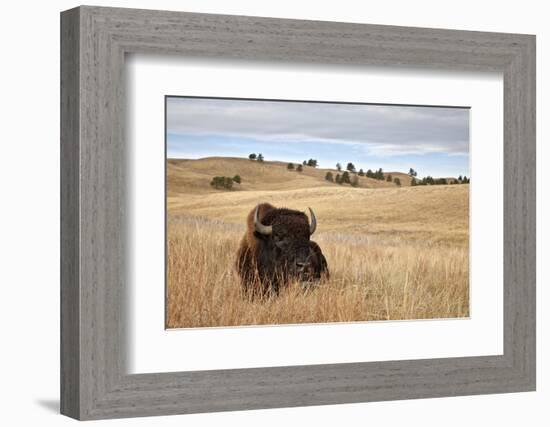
<point x="286" y="234"/>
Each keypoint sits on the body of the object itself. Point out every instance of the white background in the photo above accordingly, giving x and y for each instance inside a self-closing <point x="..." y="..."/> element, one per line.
<point x="152" y="349"/>
<point x="29" y="213"/>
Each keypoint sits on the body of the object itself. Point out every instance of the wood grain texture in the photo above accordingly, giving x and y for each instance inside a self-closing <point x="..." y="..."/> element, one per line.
<point x="94" y="267"/>
<point x="70" y="263"/>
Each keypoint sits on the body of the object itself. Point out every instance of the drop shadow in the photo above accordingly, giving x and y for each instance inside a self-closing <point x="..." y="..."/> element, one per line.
<point x="51" y="405"/>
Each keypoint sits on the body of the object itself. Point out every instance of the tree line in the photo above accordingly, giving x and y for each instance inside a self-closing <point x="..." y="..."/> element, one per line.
<point x="428" y="180"/>
<point x="349" y="175"/>
<point x="299" y="167"/>
<point x="353" y="180"/>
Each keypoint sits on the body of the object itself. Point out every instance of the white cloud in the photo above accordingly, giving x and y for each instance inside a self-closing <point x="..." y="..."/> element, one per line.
<point x="382" y="129"/>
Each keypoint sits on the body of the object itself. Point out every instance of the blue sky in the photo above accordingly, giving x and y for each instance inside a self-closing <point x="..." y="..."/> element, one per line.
<point x="432" y="140"/>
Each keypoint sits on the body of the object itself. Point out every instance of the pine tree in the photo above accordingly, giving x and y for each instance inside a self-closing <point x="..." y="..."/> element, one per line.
<point x="346" y="178"/>
<point x="361" y="173"/>
<point x="329" y="177"/>
<point x="389" y="178"/>
<point x="397" y="182"/>
<point x="299" y="168"/>
<point x="339" y="167"/>
<point x="350" y="167"/>
<point x="260" y="157"/>
<point x="252" y="156"/>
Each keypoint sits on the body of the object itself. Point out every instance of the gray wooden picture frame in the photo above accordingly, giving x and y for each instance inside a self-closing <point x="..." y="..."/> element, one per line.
<point x="94" y="381"/>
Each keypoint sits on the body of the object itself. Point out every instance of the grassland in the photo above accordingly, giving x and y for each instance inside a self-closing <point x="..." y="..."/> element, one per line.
<point x="393" y="252"/>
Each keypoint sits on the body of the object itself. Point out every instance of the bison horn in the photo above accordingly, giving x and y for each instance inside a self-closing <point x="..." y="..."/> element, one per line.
<point x="260" y="228"/>
<point x="313" y="224"/>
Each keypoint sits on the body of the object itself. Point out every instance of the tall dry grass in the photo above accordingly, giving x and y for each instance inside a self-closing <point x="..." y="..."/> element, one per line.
<point x="371" y="278"/>
<point x="393" y="252"/>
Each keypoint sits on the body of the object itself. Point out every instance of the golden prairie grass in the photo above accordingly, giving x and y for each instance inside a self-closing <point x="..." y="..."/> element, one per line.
<point x="393" y="253"/>
<point x="193" y="176"/>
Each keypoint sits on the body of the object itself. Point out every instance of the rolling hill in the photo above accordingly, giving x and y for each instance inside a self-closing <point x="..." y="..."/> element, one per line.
<point x="377" y="208"/>
<point x="393" y="252"/>
<point x="194" y="176"/>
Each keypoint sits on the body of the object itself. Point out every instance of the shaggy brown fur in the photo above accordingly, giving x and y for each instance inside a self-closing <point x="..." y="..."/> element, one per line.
<point x="267" y="263"/>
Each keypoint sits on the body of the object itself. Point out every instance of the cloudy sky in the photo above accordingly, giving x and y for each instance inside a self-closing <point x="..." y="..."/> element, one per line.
<point x="432" y="140"/>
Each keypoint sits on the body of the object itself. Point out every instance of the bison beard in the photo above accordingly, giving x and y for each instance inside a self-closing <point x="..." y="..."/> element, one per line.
<point x="276" y="249"/>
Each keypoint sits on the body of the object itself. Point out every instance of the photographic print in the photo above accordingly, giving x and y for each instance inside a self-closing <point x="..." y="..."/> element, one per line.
<point x="291" y="212"/>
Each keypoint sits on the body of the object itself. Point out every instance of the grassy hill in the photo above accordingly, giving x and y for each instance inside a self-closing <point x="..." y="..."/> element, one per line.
<point x="393" y="252"/>
<point x="436" y="213"/>
<point x="194" y="176"/>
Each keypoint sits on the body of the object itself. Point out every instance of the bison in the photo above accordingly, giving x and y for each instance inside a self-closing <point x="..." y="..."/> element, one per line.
<point x="277" y="249"/>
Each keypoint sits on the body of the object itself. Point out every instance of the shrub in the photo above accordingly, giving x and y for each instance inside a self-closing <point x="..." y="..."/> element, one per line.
<point x="237" y="179"/>
<point x="216" y="183"/>
<point x="397" y="182"/>
<point x="338" y="179"/>
<point x="361" y="173"/>
<point x="290" y="166"/>
<point x="312" y="163"/>
<point x="389" y="178"/>
<point x="329" y="177"/>
<point x="299" y="168"/>
<point x="260" y="157"/>
<point x="370" y="174"/>
<point x="252" y="156"/>
<point x="222" y="182"/>
<point x="355" y="181"/>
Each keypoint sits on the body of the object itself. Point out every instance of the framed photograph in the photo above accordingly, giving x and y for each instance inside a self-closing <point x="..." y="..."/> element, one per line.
<point x="261" y="213"/>
<point x="237" y="193"/>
